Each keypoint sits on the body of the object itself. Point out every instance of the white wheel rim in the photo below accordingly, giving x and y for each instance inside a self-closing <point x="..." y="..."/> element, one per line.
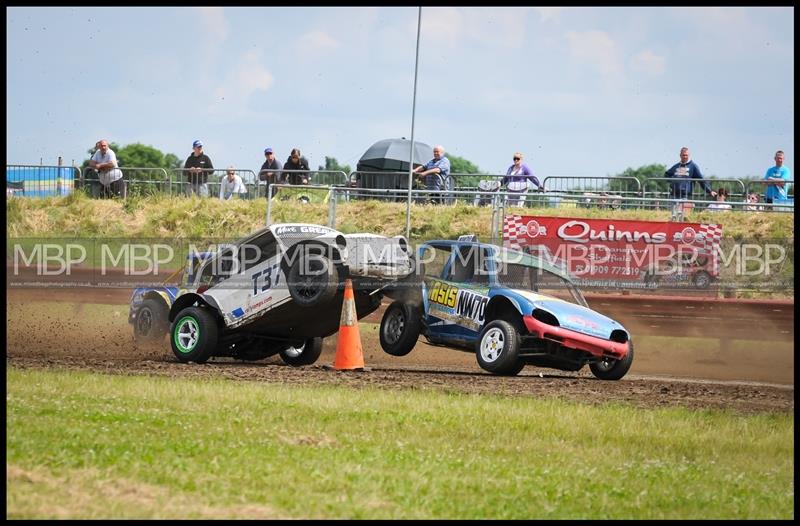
<point x="294" y="352"/>
<point x="187" y="334"/>
<point x="492" y="345"/>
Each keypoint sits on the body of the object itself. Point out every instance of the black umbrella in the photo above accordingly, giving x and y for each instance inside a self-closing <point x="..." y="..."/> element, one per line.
<point x="393" y="155"/>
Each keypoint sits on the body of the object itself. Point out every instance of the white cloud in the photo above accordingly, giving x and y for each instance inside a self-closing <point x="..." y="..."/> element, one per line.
<point x="649" y="63"/>
<point x="733" y="33"/>
<point x="214" y="28"/>
<point x="246" y="78"/>
<point x="442" y="27"/>
<point x="492" y="27"/>
<point x="549" y="14"/>
<point x="596" y="49"/>
<point x="505" y="28"/>
<point x="214" y="22"/>
<point x="316" y="43"/>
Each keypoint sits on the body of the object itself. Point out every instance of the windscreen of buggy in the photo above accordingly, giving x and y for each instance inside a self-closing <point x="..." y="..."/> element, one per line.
<point x="539" y="280"/>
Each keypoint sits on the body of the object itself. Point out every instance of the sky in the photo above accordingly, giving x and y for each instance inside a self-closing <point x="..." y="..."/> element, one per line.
<point x="579" y="91"/>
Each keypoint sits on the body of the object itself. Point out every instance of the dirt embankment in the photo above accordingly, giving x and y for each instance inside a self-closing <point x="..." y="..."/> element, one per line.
<point x="756" y="377"/>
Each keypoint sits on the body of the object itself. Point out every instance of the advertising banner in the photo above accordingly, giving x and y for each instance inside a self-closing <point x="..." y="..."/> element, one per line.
<point x="621" y="253"/>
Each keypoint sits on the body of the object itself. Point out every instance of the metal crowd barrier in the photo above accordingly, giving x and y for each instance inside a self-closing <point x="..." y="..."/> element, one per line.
<point x="303" y="193"/>
<point x="25" y="180"/>
<point x="593" y="191"/>
<point x="394" y="181"/>
<point x="579" y="184"/>
<point x="137" y="181"/>
<point x="756" y="192"/>
<point x="377" y="185"/>
<point x="315" y="178"/>
<point x="661" y="187"/>
<point x="179" y="182"/>
<point x="336" y="186"/>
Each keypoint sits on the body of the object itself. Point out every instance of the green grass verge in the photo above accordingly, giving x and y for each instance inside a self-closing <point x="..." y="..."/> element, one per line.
<point x="194" y="218"/>
<point x="89" y="446"/>
<point x="175" y="222"/>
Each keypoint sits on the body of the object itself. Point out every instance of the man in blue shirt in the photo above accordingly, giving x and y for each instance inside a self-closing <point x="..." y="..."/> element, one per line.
<point x="779" y="174"/>
<point x="435" y="172"/>
<point x="685" y="172"/>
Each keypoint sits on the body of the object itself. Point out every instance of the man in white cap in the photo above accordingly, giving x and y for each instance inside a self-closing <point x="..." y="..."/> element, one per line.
<point x="197" y="167"/>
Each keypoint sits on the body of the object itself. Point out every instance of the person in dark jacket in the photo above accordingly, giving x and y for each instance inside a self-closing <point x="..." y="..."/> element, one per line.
<point x="271" y="170"/>
<point x="197" y="167"/>
<point x="296" y="161"/>
<point x="685" y="173"/>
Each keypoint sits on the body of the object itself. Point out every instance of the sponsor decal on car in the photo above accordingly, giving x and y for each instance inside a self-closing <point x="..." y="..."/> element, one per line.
<point x="265" y="279"/>
<point x="257" y="305"/>
<point x="302" y="230"/>
<point x="583" y="322"/>
<point x="463" y="307"/>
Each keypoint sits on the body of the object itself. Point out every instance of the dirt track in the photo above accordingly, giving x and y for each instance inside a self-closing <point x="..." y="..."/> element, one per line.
<point x="726" y="376"/>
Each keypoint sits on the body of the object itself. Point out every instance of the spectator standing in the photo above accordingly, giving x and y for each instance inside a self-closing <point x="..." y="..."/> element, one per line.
<point x="231" y="185"/>
<point x="198" y="166"/>
<point x="104" y="161"/>
<point x="271" y="170"/>
<point x="685" y="173"/>
<point x="777" y="177"/>
<point x="517" y="179"/>
<point x="435" y="172"/>
<point x="722" y="194"/>
<point x="296" y="161"/>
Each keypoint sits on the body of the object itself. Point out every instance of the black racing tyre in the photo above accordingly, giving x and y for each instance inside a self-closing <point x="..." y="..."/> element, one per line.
<point x="152" y="321"/>
<point x="400" y="328"/>
<point x="194" y="335"/>
<point x="514" y="371"/>
<point x="312" y="279"/>
<point x="306" y="354"/>
<point x="497" y="348"/>
<point x="613" y="369"/>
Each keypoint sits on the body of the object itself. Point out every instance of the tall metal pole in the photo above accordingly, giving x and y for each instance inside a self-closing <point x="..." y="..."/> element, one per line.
<point x="413" y="113"/>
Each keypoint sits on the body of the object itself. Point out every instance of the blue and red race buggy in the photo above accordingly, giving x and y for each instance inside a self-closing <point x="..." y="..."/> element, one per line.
<point x="510" y="308"/>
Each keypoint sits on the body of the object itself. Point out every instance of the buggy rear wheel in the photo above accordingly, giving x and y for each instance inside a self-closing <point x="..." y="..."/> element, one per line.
<point x="312" y="278"/>
<point x="151" y="322"/>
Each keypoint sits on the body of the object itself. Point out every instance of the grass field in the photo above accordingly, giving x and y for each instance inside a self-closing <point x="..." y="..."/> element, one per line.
<point x="182" y="218"/>
<point x="83" y="445"/>
<point x="102" y="226"/>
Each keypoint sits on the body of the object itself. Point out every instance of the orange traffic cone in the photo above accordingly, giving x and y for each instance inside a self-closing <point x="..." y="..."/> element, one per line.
<point x="349" y="354"/>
